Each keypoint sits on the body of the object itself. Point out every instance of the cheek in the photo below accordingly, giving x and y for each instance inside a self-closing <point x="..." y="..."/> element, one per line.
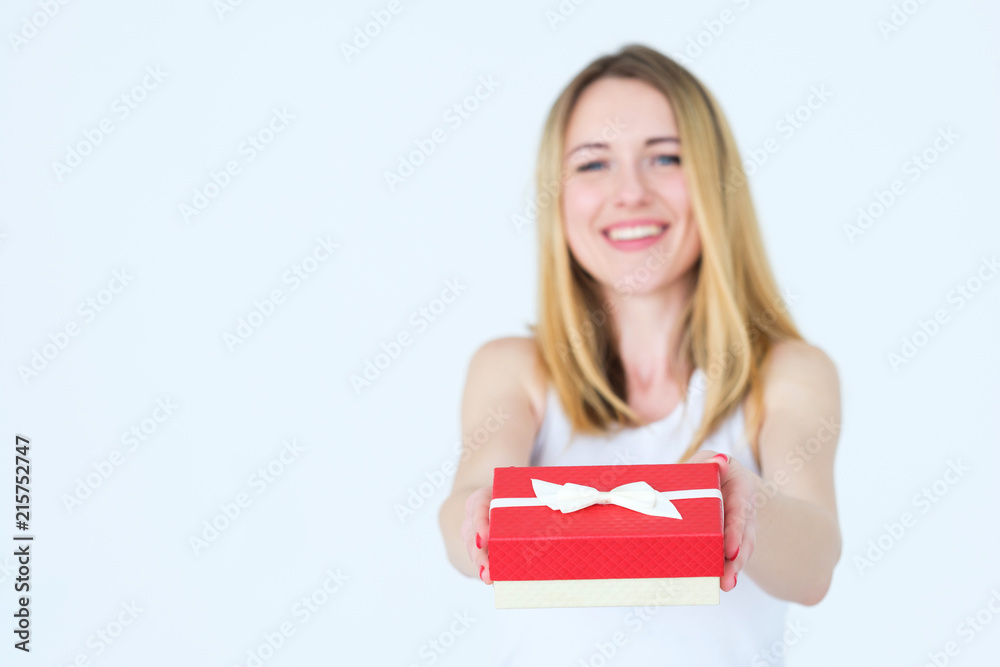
<point x="691" y="245"/>
<point x="671" y="188"/>
<point x="580" y="210"/>
<point x="581" y="201"/>
<point x="580" y="206"/>
<point x="578" y="243"/>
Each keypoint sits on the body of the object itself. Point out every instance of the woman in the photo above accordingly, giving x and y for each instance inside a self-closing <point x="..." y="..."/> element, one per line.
<point x="661" y="338"/>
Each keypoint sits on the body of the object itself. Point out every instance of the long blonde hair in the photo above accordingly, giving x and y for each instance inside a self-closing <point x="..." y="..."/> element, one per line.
<point x="735" y="306"/>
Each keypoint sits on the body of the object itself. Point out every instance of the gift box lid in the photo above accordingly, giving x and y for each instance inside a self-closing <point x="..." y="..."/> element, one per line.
<point x="605" y="541"/>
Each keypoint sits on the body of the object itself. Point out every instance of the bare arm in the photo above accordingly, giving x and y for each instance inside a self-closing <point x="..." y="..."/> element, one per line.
<point x="781" y="526"/>
<point x="798" y="539"/>
<point x="499" y="426"/>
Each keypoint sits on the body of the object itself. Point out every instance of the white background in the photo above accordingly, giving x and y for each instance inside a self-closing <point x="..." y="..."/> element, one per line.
<point x="162" y="336"/>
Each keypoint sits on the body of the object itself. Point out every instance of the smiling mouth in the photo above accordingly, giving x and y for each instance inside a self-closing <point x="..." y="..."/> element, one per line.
<point x="634" y="233"/>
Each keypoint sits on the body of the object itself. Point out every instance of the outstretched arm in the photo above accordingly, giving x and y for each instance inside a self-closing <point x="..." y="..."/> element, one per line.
<point x="498" y="428"/>
<point x="781" y="526"/>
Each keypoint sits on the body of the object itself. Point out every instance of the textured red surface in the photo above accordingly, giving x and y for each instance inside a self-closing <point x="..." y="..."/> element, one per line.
<point x="605" y="541"/>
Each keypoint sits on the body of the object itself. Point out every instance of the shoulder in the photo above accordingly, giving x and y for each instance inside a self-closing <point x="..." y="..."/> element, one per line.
<point x="515" y="360"/>
<point x="801" y="397"/>
<point x="497" y="404"/>
<point x="796" y="366"/>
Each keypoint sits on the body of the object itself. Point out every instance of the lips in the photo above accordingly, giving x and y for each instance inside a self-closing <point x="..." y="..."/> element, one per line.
<point x="632" y="235"/>
<point x="635" y="232"/>
<point x="637" y="222"/>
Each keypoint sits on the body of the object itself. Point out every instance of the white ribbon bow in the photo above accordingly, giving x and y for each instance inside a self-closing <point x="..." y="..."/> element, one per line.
<point x="636" y="496"/>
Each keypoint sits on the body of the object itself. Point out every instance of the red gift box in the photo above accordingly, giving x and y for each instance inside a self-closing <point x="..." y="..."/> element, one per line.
<point x="622" y="535"/>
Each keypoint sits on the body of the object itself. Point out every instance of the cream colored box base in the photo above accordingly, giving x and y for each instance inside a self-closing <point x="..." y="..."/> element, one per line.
<point x="606" y="592"/>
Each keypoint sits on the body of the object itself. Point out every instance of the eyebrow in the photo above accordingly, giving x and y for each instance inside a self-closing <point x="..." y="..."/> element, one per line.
<point x="649" y="142"/>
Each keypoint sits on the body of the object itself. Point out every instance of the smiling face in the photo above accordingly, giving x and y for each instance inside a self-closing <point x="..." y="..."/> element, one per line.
<point x="628" y="221"/>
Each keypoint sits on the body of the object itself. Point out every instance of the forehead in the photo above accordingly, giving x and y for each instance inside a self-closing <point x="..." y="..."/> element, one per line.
<point x="642" y="110"/>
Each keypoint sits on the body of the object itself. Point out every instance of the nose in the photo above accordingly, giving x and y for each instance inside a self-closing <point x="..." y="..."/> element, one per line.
<point x="630" y="189"/>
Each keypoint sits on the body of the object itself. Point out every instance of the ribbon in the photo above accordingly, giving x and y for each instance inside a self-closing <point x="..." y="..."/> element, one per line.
<point x="636" y="496"/>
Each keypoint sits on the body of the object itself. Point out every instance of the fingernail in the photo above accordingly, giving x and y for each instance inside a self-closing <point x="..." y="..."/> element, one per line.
<point x="481" y="568"/>
<point x="478" y="542"/>
<point x="736" y="555"/>
<point x="735" y="576"/>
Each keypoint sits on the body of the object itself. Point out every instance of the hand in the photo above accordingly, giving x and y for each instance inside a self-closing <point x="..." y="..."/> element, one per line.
<point x="477" y="525"/>
<point x="739" y="511"/>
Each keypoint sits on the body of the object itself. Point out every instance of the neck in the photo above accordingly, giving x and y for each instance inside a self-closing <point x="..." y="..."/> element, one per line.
<point x="646" y="338"/>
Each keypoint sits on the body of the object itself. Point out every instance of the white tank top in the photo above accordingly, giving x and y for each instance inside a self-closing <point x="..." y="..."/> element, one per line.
<point x="746" y="622"/>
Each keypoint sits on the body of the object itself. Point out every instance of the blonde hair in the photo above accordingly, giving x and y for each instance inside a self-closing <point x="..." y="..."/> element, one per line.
<point x="735" y="305"/>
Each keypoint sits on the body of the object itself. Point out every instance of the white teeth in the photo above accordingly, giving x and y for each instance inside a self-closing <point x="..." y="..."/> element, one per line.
<point x="632" y="233"/>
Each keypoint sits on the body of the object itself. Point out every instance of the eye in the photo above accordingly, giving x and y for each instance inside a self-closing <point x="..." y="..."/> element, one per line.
<point x="668" y="159"/>
<point x="587" y="167"/>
